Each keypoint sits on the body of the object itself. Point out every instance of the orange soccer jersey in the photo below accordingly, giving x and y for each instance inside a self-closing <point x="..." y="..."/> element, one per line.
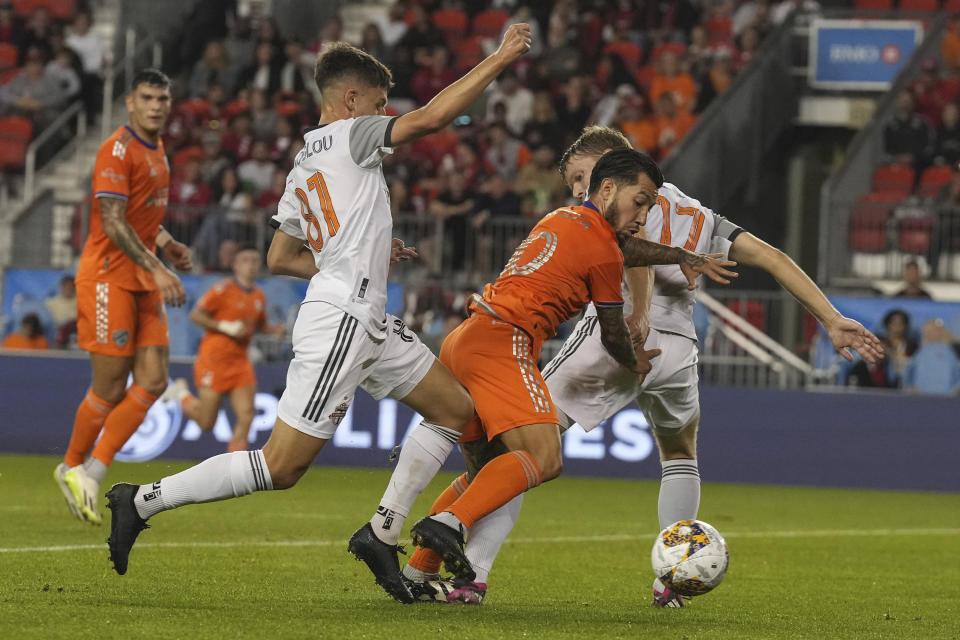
<point x="570" y="258"/>
<point x="118" y="306"/>
<point x="222" y="363"/>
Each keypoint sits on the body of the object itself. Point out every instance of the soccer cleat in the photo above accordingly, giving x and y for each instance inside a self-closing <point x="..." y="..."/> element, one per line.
<point x="432" y="589"/>
<point x="447" y="542"/>
<point x="71" y="501"/>
<point x="663" y="596"/>
<point x="176" y="391"/>
<point x="468" y="593"/>
<point x="381" y="558"/>
<point x="125" y="524"/>
<point x="84" y="490"/>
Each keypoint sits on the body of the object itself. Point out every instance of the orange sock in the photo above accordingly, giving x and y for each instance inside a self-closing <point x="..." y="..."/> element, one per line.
<point x="123" y="422"/>
<point x="497" y="483"/>
<point x="427" y="560"/>
<point x="86" y="427"/>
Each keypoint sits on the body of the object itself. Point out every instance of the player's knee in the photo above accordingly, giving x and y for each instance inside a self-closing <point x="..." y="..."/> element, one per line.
<point x="456" y="413"/>
<point x="154" y="386"/>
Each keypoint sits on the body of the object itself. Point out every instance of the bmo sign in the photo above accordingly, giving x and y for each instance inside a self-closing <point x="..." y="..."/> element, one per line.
<point x="860" y="54"/>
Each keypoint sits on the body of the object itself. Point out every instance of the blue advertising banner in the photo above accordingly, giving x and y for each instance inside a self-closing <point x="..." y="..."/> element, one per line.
<point x="860" y="54"/>
<point x="747" y="435"/>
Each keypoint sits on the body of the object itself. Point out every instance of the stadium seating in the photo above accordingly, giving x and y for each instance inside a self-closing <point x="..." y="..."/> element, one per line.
<point x="933" y="180"/>
<point x="915" y="235"/>
<point x="873" y="5"/>
<point x="919" y="5"/>
<point x="630" y="52"/>
<point x="59" y="9"/>
<point x="15" y="136"/>
<point x="8" y="56"/>
<point x="469" y="53"/>
<point x="951" y="6"/>
<point x="487" y="24"/>
<point x="894" y="178"/>
<point x="453" y="23"/>
<point x="868" y="227"/>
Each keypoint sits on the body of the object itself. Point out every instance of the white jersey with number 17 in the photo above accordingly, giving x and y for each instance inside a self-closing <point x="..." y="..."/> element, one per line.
<point x="336" y="201"/>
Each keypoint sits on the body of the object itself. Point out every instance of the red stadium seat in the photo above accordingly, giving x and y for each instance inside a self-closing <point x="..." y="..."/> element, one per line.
<point x="873" y="5"/>
<point x="59" y="9"/>
<point x="8" y="56"/>
<point x="469" y="53"/>
<point x="719" y="28"/>
<point x="677" y="48"/>
<point x="868" y="226"/>
<point x="644" y="75"/>
<point x="915" y="235"/>
<point x="8" y="75"/>
<point x="12" y="154"/>
<point x="934" y="179"/>
<point x="181" y="157"/>
<point x="951" y="6"/>
<point x="919" y="5"/>
<point x="16" y="128"/>
<point x="453" y="23"/>
<point x="894" y="177"/>
<point x="753" y="311"/>
<point x="487" y="24"/>
<point x="630" y="52"/>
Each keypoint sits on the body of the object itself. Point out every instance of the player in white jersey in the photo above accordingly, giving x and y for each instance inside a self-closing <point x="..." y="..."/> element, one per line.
<point x="334" y="228"/>
<point x="588" y="386"/>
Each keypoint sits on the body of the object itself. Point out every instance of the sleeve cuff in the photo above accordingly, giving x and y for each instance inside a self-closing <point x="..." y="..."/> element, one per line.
<point x="111" y="194"/>
<point x="608" y="304"/>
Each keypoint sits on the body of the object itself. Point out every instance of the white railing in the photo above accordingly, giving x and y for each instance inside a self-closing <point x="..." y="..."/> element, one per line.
<point x="63" y="121"/>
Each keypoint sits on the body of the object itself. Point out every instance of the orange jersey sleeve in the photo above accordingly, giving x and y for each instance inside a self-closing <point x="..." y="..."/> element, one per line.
<point x="229" y="301"/>
<point x="570" y="258"/>
<point x="131" y="169"/>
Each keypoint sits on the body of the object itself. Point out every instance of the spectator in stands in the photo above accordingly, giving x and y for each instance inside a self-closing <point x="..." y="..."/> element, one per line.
<point x="87" y="44"/>
<point x="543" y="126"/>
<point x="330" y="32"/>
<point x="392" y="26"/>
<point x="238" y="139"/>
<point x="212" y="69"/>
<point x="283" y="138"/>
<point x="747" y="14"/>
<point x="505" y="154"/>
<point x="749" y="44"/>
<point x="717" y="79"/>
<point x="37" y="36"/>
<point x="189" y="198"/>
<point x="908" y="138"/>
<point x="950" y="49"/>
<point x="671" y="79"/>
<point x="520" y="14"/>
<point x="898" y="344"/>
<point x="805" y="9"/>
<point x="672" y="124"/>
<point x="264" y="74"/>
<point x="497" y="199"/>
<point x="433" y="76"/>
<point x="28" y="336"/>
<point x="264" y="117"/>
<point x="931" y="92"/>
<point x="11" y="29"/>
<point x="33" y="94"/>
<point x="296" y="72"/>
<point x="610" y="106"/>
<point x="541" y="181"/>
<point x="877" y="375"/>
<point x="231" y="218"/>
<point x="934" y="368"/>
<point x="455" y="205"/>
<point x="573" y="107"/>
<point x="258" y="170"/>
<point x="61" y="69"/>
<point x="515" y="97"/>
<point x="63" y="306"/>
<point x="948" y="135"/>
<point x="913" y="282"/>
<point x="699" y="52"/>
<point x="421" y="36"/>
<point x="371" y="41"/>
<point x="562" y="59"/>
<point x="269" y="199"/>
<point x="214" y="161"/>
<point x="268" y="33"/>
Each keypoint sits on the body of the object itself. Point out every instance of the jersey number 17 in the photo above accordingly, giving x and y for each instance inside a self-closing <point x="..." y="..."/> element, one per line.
<point x="314" y="233"/>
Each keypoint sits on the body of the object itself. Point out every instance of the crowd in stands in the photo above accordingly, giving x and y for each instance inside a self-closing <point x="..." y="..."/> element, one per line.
<point x="49" y="58"/>
<point x="650" y="69"/>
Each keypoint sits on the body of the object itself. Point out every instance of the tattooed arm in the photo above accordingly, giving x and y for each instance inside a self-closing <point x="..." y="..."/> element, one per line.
<point x="615" y="338"/>
<point x="639" y="253"/>
<point x="122" y="235"/>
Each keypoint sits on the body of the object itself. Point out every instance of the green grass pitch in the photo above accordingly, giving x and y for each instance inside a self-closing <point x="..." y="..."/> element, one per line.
<point x="805" y="563"/>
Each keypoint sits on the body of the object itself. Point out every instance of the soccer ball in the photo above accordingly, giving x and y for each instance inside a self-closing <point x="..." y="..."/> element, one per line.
<point x="690" y="557"/>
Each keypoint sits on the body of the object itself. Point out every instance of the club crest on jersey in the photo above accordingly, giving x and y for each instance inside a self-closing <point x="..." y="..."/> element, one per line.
<point x="112" y="175"/>
<point x="121" y="337"/>
<point x="337" y="416"/>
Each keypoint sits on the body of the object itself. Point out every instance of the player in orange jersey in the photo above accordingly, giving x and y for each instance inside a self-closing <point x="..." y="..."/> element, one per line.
<point x="231" y="311"/>
<point x="573" y="256"/>
<point x="121" y="290"/>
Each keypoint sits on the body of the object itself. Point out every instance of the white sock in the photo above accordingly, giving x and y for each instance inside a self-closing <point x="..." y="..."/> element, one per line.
<point x="488" y="534"/>
<point x="450" y="520"/>
<point x="421" y="457"/>
<point x="229" y="475"/>
<point x="95" y="469"/>
<point x="679" y="491"/>
<point x="414" y="574"/>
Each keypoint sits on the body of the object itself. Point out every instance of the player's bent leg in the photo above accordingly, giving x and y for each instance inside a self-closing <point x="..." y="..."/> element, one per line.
<point x="204" y="409"/>
<point x="289" y="453"/>
<point x="242" y="401"/>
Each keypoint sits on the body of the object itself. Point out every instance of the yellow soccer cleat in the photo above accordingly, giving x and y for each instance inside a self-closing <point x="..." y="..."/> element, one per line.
<point x="71" y="501"/>
<point x="84" y="490"/>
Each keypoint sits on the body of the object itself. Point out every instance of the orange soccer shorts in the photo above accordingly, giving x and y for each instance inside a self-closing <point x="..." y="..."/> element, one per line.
<point x="497" y="363"/>
<point x="223" y="374"/>
<point x="114" y="321"/>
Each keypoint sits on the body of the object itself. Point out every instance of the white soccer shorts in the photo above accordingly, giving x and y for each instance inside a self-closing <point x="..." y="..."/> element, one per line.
<point x="588" y="385"/>
<point x="333" y="355"/>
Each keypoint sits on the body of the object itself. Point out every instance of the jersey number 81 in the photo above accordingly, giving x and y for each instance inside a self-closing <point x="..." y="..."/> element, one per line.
<point x="314" y="234"/>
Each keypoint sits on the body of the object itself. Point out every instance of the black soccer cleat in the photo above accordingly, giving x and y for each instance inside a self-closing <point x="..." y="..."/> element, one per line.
<point x="125" y="524"/>
<point x="382" y="560"/>
<point x="447" y="542"/>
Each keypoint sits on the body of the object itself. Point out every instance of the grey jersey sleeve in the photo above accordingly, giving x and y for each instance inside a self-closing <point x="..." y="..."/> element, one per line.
<point x="287" y="218"/>
<point x="370" y="140"/>
<point x="724" y="233"/>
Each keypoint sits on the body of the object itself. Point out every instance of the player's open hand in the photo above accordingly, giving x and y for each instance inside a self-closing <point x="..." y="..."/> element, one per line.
<point x="639" y="326"/>
<point x="401" y="253"/>
<point x="846" y="333"/>
<point x="179" y="255"/>
<point x="170" y="286"/>
<point x="644" y="358"/>
<point x="516" y="42"/>
<point x="711" y="265"/>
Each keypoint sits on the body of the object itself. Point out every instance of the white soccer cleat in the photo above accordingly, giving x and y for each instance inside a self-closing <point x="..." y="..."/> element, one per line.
<point x="176" y="391"/>
<point x="85" y="491"/>
<point x="663" y="596"/>
<point x="72" y="503"/>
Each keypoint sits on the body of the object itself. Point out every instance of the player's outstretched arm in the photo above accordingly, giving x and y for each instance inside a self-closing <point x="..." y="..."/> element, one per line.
<point x="289" y="256"/>
<point x="615" y="338"/>
<point x="121" y="234"/>
<point x="639" y="253"/>
<point x="452" y="101"/>
<point x="845" y="333"/>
